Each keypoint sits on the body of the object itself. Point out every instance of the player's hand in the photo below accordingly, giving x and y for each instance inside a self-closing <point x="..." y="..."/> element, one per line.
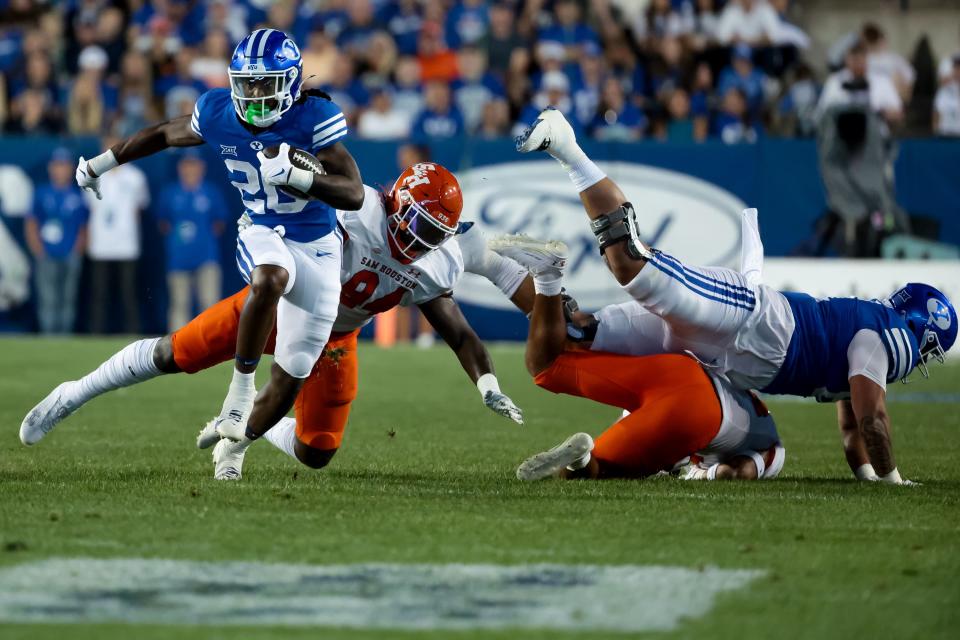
<point x="87" y="181"/>
<point x="276" y="171"/>
<point x="500" y="403"/>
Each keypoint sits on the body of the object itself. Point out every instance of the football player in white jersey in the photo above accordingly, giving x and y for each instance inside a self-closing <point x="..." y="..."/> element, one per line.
<point x="403" y="248"/>
<point x="751" y="334"/>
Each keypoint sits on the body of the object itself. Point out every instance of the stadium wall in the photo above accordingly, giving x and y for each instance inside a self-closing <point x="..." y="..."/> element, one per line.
<point x="688" y="195"/>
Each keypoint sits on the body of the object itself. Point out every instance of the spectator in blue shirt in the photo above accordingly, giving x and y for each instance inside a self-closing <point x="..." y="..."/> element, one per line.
<point x="733" y="124"/>
<point x="744" y="76"/>
<point x="403" y="20"/>
<point x="467" y="23"/>
<point x="56" y="231"/>
<point x="440" y="118"/>
<point x="407" y="93"/>
<point x="554" y="92"/>
<point x="192" y="217"/>
<point x="345" y="88"/>
<point x="569" y="29"/>
<point x="361" y="26"/>
<point x="616" y="118"/>
<point x="475" y="87"/>
<point x="587" y="81"/>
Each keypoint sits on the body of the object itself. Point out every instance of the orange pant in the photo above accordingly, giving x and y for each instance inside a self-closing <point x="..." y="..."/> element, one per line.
<point x="324" y="402"/>
<point x="674" y="406"/>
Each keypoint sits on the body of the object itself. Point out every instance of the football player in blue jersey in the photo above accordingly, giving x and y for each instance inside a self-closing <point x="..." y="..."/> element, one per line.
<point x="291" y="253"/>
<point x="842" y="349"/>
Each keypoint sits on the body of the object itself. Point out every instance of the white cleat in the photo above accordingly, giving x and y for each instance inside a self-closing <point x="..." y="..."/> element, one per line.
<point x="550" y="463"/>
<point x="228" y="428"/>
<point x="539" y="256"/>
<point x="46" y="415"/>
<point x="228" y="460"/>
<point x="550" y="132"/>
<point x="208" y="436"/>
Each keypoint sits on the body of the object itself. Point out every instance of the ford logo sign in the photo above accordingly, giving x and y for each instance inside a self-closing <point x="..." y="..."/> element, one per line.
<point x="694" y="220"/>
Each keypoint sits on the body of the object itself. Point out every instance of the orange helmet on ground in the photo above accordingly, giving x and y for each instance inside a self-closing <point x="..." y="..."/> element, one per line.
<point x="423" y="210"/>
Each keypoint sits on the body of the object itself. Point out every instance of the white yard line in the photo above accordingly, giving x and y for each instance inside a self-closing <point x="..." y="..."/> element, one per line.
<point x="373" y="596"/>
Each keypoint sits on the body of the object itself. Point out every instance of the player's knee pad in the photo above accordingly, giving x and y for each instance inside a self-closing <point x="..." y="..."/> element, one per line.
<point x="297" y="359"/>
<point x="620" y="226"/>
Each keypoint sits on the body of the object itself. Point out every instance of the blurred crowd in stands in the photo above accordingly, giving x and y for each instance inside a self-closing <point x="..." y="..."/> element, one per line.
<point x="426" y="69"/>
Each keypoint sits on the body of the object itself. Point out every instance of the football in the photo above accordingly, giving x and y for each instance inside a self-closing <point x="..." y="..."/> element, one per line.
<point x="299" y="158"/>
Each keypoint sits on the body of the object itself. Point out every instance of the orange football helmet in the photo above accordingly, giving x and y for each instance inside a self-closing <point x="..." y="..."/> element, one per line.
<point x="423" y="210"/>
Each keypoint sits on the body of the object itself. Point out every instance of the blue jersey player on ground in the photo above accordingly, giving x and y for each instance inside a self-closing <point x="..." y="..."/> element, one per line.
<point x="842" y="349"/>
<point x="290" y="255"/>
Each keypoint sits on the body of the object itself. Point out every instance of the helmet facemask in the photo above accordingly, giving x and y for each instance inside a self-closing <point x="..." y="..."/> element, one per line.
<point x="931" y="348"/>
<point x="414" y="231"/>
<point x="260" y="98"/>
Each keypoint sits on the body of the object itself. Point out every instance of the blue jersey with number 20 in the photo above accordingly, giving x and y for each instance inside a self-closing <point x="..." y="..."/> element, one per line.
<point x="312" y="123"/>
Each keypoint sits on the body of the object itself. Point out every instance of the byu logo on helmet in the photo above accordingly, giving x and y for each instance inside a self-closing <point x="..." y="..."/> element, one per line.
<point x="939" y="313"/>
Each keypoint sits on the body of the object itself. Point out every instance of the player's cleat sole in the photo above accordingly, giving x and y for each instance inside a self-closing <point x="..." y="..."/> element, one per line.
<point x="550" y="463"/>
<point x="538" y="256"/>
<point x="549" y="132"/>
<point x="228" y="460"/>
<point x="45" y="416"/>
<point x="208" y="436"/>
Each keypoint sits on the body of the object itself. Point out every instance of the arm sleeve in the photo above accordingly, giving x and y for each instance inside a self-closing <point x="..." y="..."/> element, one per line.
<point x="195" y="118"/>
<point x="331" y="125"/>
<point x="506" y="274"/>
<point x="867" y="357"/>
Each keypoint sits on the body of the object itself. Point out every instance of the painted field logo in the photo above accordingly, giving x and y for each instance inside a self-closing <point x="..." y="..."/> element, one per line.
<point x="363" y="596"/>
<point x="690" y="218"/>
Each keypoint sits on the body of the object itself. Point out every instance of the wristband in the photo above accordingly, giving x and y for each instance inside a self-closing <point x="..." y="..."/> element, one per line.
<point x="487" y="382"/>
<point x="866" y="472"/>
<point x="301" y="179"/>
<point x="102" y="163"/>
<point x="893" y="477"/>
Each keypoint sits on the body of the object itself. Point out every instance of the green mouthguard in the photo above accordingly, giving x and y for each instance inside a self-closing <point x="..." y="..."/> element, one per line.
<point x="256" y="111"/>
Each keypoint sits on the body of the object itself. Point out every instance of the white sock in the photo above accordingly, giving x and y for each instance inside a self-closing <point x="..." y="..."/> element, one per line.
<point x="130" y="365"/>
<point x="583" y="172"/>
<point x="283" y="436"/>
<point x="241" y="380"/>
<point x="549" y="283"/>
<point x="242" y="385"/>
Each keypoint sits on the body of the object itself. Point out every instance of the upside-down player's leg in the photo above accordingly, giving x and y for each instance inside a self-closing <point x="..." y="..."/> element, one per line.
<point x="705" y="307"/>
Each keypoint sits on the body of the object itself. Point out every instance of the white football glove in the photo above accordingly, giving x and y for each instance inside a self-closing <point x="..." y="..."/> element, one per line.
<point x="501" y="404"/>
<point x="276" y="171"/>
<point x="86" y="181"/>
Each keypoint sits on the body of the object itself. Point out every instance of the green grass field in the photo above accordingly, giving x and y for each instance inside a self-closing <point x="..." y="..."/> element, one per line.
<point x="426" y="476"/>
